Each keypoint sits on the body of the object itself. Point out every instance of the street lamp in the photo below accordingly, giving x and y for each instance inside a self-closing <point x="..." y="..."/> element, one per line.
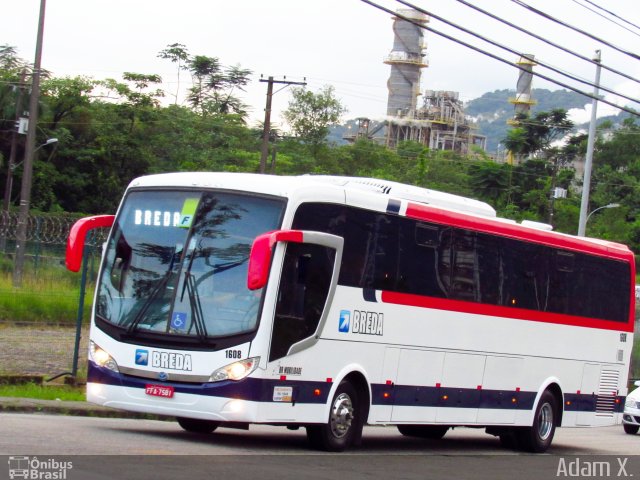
<point x="611" y="205"/>
<point x="49" y="141"/>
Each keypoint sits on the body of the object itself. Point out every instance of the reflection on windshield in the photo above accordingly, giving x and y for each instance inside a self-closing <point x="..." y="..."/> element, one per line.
<point x="152" y="282"/>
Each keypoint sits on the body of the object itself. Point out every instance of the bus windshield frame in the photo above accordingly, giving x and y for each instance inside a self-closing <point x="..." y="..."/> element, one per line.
<point x="175" y="267"/>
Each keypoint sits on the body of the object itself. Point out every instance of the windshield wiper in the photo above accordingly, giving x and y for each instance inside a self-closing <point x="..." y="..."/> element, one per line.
<point x="196" y="306"/>
<point x="160" y="286"/>
<point x="194" y="299"/>
<point x="141" y="313"/>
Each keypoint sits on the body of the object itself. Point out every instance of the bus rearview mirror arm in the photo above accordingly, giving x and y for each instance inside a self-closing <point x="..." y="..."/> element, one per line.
<point x="77" y="237"/>
<point x="260" y="257"/>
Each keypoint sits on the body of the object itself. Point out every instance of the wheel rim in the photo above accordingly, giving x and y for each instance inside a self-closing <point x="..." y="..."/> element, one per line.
<point x="341" y="415"/>
<point x="545" y="421"/>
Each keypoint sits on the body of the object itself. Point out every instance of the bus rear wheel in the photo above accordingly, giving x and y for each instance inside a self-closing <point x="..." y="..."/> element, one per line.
<point x="197" y="426"/>
<point x="343" y="424"/>
<point x="433" y="432"/>
<point x="537" y="438"/>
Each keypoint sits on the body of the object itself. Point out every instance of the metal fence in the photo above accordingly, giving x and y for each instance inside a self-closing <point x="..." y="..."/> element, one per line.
<point x="38" y="320"/>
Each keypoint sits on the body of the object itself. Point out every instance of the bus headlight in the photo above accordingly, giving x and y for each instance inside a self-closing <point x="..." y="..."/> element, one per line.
<point x="236" y="370"/>
<point x="102" y="358"/>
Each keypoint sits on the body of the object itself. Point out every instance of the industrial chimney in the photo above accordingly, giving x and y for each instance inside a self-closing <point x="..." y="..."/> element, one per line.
<point x="406" y="59"/>
<point x="522" y="101"/>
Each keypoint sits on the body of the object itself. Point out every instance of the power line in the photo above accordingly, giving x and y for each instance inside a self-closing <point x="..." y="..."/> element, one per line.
<point x="612" y="14"/>
<point x="496" y="57"/>
<point x="515" y="52"/>
<point x="548" y="42"/>
<point x="575" y="29"/>
<point x="606" y="18"/>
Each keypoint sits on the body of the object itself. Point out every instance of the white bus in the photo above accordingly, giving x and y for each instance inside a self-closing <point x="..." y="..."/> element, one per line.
<point x="331" y="302"/>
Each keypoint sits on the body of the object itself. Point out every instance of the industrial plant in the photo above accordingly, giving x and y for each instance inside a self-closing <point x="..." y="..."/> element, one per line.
<point x="438" y="120"/>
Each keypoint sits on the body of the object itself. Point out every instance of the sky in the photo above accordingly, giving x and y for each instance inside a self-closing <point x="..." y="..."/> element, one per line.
<point x="341" y="43"/>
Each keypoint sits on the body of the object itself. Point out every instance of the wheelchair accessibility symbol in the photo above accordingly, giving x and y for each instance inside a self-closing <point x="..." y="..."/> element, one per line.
<point x="179" y="321"/>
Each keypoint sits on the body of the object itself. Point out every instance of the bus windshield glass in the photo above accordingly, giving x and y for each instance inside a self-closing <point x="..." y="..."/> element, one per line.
<point x="176" y="263"/>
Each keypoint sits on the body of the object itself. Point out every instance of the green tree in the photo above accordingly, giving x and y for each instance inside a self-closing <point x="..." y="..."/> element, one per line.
<point x="310" y="114"/>
<point x="490" y="181"/>
<point x="214" y="85"/>
<point x="11" y="67"/>
<point x="534" y="134"/>
<point x="177" y="53"/>
<point x="622" y="149"/>
<point x="63" y="95"/>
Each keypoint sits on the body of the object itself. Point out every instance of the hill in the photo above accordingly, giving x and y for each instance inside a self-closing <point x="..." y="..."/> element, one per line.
<point x="492" y="110"/>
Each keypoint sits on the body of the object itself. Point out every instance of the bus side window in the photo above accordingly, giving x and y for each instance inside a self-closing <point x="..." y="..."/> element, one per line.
<point x="302" y="294"/>
<point x="418" y="259"/>
<point x="445" y="252"/>
<point x="489" y="269"/>
<point x="121" y="263"/>
<point x="464" y="267"/>
<point x="562" y="287"/>
<point x="381" y="247"/>
<point x="526" y="280"/>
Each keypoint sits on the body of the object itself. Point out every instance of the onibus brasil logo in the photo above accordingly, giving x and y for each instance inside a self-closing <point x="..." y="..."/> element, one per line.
<point x="33" y="468"/>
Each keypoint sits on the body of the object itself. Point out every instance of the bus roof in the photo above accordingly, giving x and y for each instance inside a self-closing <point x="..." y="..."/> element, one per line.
<point x="287" y="186"/>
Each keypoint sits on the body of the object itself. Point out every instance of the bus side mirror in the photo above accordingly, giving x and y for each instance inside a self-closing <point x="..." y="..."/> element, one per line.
<point x="262" y="248"/>
<point x="260" y="257"/>
<point x="77" y="236"/>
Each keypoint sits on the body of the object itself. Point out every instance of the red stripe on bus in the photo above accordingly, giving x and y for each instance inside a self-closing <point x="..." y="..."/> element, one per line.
<point x="411" y="300"/>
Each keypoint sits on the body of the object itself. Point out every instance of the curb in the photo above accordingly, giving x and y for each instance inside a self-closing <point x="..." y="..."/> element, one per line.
<point x="79" y="409"/>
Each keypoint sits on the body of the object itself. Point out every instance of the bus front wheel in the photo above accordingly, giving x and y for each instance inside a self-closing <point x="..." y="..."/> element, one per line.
<point x="197" y="426"/>
<point x="538" y="437"/>
<point x="344" y="421"/>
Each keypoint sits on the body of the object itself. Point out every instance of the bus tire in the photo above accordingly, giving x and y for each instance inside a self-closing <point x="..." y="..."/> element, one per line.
<point x="195" y="425"/>
<point x="343" y="424"/>
<point x="631" y="429"/>
<point x="537" y="438"/>
<point x="432" y="432"/>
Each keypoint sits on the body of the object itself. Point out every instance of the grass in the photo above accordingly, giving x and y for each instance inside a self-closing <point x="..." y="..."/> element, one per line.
<point x="49" y="295"/>
<point x="43" y="392"/>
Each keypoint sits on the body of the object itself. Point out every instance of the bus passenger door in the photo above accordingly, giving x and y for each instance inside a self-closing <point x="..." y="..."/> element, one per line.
<point x="308" y="280"/>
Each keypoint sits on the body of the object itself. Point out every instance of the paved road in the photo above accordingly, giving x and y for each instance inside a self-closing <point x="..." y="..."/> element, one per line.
<point x="274" y="452"/>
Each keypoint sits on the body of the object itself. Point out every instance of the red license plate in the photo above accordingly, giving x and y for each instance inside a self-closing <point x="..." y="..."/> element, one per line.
<point x="159" y="391"/>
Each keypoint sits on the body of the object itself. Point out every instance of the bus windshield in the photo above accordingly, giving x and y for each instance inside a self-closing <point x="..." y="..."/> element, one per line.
<point x="176" y="262"/>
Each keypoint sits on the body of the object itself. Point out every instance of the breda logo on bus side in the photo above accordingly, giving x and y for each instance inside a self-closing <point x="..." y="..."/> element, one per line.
<point x="362" y="322"/>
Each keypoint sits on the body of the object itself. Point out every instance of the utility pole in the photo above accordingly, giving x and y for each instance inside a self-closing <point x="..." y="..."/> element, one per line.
<point x="267" y="118"/>
<point x="27" y="174"/>
<point x="10" y="167"/>
<point x="586" y="183"/>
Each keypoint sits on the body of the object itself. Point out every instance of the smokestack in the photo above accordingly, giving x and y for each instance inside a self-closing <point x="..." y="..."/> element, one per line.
<point x="522" y="101"/>
<point x="407" y="59"/>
